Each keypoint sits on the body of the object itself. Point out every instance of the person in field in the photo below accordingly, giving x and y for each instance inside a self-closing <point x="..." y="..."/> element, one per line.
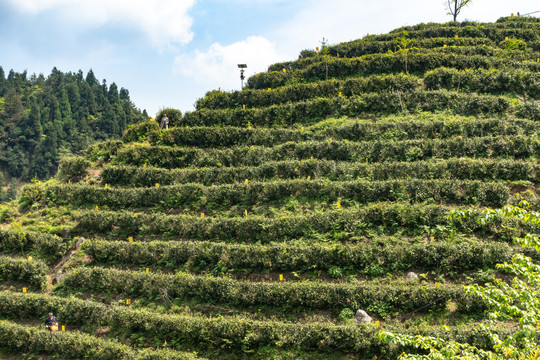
<point x="164" y="122"/>
<point x="51" y="323"/>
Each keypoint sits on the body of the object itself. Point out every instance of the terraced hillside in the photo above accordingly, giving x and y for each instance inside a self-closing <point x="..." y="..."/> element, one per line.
<point x="258" y="225"/>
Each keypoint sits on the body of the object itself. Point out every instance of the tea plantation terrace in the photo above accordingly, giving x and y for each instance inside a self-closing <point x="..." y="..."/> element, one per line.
<point x="261" y="222"/>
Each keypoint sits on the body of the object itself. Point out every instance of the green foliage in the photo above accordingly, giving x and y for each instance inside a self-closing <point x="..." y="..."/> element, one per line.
<point x="462" y="168"/>
<point x="139" y="132"/>
<point x="346" y="314"/>
<point x="15" y="338"/>
<point x="174" y="116"/>
<point x="51" y="247"/>
<point x="73" y="168"/>
<point x="27" y="272"/>
<point x="271" y="192"/>
<point x="44" y="118"/>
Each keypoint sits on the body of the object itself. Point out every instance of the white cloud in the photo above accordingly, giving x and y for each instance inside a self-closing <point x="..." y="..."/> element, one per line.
<point x="163" y="21"/>
<point x="217" y="67"/>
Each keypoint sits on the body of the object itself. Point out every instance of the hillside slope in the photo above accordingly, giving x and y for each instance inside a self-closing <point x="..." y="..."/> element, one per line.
<point x="259" y="224"/>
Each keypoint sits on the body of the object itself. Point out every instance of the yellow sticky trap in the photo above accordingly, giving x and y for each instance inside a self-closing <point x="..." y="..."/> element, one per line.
<point x="245" y="212"/>
<point x="284" y="70"/>
<point x="340" y="93"/>
<point x="366" y="160"/>
<point x="23" y="290"/>
<point x="219" y="89"/>
<point x="269" y="89"/>
<point x="63" y="328"/>
<point x="444" y="45"/>
<point x="130" y="239"/>
<point x="246" y="181"/>
<point x="280" y="277"/>
<point x="30" y="258"/>
<point x="537" y="59"/>
<point x="136" y="214"/>
<point x="157" y="185"/>
<point x="309" y="178"/>
<point x="437" y="284"/>
<point x="147" y="270"/>
<point x="187" y="126"/>
<point x="377" y="323"/>
<point x="512" y="15"/>
<point x="69" y="181"/>
<point x="330" y="139"/>
<point x="302" y="129"/>
<point x="337" y="54"/>
<point x="457" y="36"/>
<point x="97" y="207"/>
<point x="317" y="48"/>
<point x="506" y="38"/>
<point x="165" y="343"/>
<point x="244" y="106"/>
<point x="106" y="186"/>
<point x="250" y="127"/>
<point x="432" y="239"/>
<point x="144" y="165"/>
<point x="152" y="119"/>
<point x="338" y="204"/>
<point x="202" y="215"/>
<point x="128" y="301"/>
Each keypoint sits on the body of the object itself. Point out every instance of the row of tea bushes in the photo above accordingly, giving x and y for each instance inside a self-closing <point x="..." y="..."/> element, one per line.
<point x="232" y="333"/>
<point x="15" y="338"/>
<point x="486" y="81"/>
<point x="518" y="147"/>
<point x="388" y="102"/>
<point x="407" y="128"/>
<point x="495" y="194"/>
<point x="339" y="223"/>
<point x="459" y="169"/>
<point x="50" y="247"/>
<point x="417" y="62"/>
<point x="444" y="257"/>
<point x="32" y="273"/>
<point x="399" y="297"/>
<point x="300" y="92"/>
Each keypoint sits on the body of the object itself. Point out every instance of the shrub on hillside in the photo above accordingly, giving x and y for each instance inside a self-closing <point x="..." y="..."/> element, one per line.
<point x="174" y="115"/>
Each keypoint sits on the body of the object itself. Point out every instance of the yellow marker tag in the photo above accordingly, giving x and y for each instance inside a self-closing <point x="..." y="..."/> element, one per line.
<point x="30" y="258"/>
<point x="130" y="239"/>
<point x="147" y="270"/>
<point x="246" y="181"/>
<point x="144" y="165"/>
<point x="202" y="215"/>
<point x="157" y="185"/>
<point x="243" y="106"/>
<point x="506" y="38"/>
<point x="63" y="328"/>
<point x="245" y="212"/>
<point x="23" y="290"/>
<point x="136" y="214"/>
<point x="280" y="277"/>
<point x="338" y="204"/>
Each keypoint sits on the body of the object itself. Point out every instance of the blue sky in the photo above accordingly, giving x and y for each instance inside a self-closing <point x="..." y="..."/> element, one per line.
<point x="168" y="53"/>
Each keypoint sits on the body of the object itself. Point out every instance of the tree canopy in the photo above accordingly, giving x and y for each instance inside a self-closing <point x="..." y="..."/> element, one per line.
<point x="43" y="118"/>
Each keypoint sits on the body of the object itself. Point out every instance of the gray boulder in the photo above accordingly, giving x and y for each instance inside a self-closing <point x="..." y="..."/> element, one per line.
<point x="362" y="317"/>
